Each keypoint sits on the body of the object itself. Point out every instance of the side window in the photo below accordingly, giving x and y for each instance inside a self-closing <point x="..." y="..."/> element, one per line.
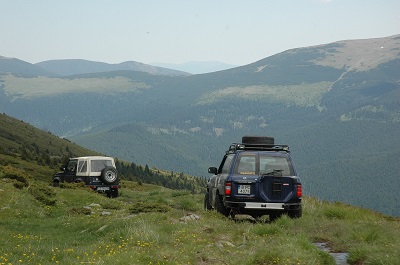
<point x="247" y="164"/>
<point x="82" y="166"/>
<point x="226" y="165"/>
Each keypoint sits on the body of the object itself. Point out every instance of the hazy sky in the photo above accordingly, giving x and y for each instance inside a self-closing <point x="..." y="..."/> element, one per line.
<point x="178" y="31"/>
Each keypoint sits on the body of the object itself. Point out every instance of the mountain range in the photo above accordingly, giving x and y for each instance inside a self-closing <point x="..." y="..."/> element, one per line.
<point x="336" y="105"/>
<point x="201" y="67"/>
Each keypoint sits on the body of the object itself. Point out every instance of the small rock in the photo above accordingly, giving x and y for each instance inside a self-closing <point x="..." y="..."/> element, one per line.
<point x="102" y="228"/>
<point x="224" y="243"/>
<point x="129" y="216"/>
<point x="189" y="217"/>
<point x="95" y="205"/>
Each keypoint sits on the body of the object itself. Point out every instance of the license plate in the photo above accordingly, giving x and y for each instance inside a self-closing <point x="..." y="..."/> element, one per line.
<point x="103" y="188"/>
<point x="244" y="189"/>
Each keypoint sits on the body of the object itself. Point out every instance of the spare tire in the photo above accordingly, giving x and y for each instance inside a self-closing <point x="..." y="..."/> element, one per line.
<point x="258" y="140"/>
<point x="109" y="175"/>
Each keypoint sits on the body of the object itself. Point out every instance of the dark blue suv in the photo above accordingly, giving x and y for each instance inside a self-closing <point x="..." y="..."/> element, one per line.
<point x="256" y="177"/>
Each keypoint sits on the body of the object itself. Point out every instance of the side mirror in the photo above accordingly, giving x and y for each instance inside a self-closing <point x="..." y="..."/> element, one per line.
<point x="213" y="170"/>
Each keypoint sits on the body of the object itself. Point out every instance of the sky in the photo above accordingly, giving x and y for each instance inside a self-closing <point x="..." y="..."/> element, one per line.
<point x="179" y="31"/>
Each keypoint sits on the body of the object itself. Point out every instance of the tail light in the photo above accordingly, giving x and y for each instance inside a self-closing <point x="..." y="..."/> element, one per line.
<point x="299" y="192"/>
<point x="228" y="188"/>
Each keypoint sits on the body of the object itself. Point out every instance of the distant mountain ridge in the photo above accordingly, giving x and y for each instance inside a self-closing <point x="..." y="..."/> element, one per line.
<point x="69" y="67"/>
<point x="19" y="67"/>
<point x="336" y="105"/>
<point x="197" y="67"/>
<point x="78" y="66"/>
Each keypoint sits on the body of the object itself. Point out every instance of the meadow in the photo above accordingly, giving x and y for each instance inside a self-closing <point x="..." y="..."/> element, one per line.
<point x="149" y="224"/>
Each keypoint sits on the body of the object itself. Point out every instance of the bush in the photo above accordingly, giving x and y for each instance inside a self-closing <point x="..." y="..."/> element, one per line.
<point x="335" y="211"/>
<point x="144" y="207"/>
<point x="78" y="185"/>
<point x="21" y="177"/>
<point x="85" y="211"/>
<point x="43" y="194"/>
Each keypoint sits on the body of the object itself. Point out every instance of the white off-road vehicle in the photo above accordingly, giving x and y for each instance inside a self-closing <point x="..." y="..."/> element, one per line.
<point x="97" y="172"/>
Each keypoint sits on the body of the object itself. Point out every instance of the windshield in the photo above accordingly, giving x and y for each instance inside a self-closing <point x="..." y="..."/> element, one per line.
<point x="261" y="164"/>
<point x="71" y="166"/>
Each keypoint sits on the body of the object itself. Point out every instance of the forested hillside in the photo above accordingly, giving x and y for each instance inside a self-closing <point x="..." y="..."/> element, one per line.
<point x="42" y="154"/>
<point x="336" y="105"/>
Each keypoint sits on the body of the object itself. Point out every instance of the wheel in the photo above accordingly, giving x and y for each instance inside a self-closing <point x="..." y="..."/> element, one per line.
<point x="258" y="140"/>
<point x="274" y="216"/>
<point x="56" y="184"/>
<point x="109" y="175"/>
<point x="219" y="205"/>
<point x="113" y="193"/>
<point x="296" y="213"/>
<point x="207" y="204"/>
<point x="256" y="216"/>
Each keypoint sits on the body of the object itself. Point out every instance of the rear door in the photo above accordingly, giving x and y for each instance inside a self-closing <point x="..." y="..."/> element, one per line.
<point x="245" y="177"/>
<point x="263" y="177"/>
<point x="277" y="181"/>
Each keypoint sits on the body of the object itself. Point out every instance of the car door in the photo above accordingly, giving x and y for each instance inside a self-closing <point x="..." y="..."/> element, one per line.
<point x="217" y="182"/>
<point x="69" y="173"/>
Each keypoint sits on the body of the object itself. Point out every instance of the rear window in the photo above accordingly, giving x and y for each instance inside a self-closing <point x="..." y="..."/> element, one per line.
<point x="260" y="164"/>
<point x="247" y="164"/>
<point x="269" y="164"/>
<point x="99" y="165"/>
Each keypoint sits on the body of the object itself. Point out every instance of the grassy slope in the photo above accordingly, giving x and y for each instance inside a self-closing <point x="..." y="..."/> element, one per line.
<point x="41" y="224"/>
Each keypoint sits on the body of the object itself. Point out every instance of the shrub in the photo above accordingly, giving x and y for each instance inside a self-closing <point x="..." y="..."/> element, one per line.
<point x="83" y="210"/>
<point x="145" y="207"/>
<point x="42" y="193"/>
<point x="21" y="177"/>
<point x="77" y="185"/>
<point x="112" y="204"/>
<point x="187" y="204"/>
<point x="335" y="212"/>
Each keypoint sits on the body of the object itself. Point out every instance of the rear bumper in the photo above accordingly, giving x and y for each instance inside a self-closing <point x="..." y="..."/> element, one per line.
<point x="103" y="188"/>
<point x="263" y="205"/>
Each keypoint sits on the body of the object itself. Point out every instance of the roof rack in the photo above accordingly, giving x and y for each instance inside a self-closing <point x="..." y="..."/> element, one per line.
<point x="257" y="147"/>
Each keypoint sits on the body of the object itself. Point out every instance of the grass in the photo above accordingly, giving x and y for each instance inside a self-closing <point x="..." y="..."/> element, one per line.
<point x="306" y="95"/>
<point x="144" y="226"/>
<point x="38" y="86"/>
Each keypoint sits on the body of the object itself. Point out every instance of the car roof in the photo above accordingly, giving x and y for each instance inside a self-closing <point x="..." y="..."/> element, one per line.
<point x="93" y="157"/>
<point x="272" y="153"/>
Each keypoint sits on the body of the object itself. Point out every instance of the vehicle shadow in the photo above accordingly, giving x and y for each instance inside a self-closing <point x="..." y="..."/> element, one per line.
<point x="243" y="218"/>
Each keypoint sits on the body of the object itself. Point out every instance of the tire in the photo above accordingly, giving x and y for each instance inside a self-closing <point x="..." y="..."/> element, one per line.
<point x="274" y="216"/>
<point x="258" y="140"/>
<point x="219" y="205"/>
<point x="296" y="213"/>
<point x="207" y="204"/>
<point x="109" y="175"/>
<point x="56" y="184"/>
<point x="113" y="193"/>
